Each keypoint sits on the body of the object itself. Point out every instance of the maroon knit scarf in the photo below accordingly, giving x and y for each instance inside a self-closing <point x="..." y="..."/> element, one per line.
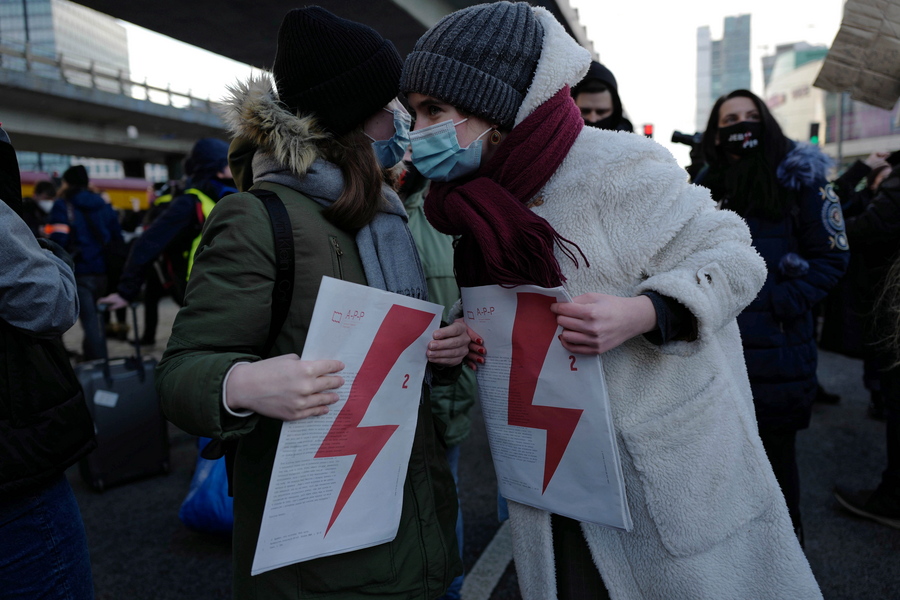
<point x="501" y="240"/>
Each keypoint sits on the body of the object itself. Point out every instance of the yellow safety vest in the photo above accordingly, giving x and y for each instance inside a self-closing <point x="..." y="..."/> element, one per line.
<point x="206" y="205"/>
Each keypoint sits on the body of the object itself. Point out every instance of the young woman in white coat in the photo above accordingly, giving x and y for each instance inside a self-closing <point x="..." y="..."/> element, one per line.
<point x="658" y="275"/>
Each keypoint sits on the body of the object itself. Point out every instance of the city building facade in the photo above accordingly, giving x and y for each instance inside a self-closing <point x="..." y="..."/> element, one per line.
<point x="83" y="37"/>
<point x="847" y="130"/>
<point x="722" y="65"/>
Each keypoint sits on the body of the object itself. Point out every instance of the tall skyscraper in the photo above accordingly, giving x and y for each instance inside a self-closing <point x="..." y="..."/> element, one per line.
<point x="722" y="65"/>
<point x="82" y="36"/>
<point x="53" y="27"/>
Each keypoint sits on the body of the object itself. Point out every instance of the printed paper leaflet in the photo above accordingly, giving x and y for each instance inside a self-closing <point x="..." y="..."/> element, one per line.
<point x="337" y="481"/>
<point x="546" y="410"/>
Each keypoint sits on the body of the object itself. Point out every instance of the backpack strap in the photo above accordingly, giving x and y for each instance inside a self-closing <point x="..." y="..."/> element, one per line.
<point x="282" y="293"/>
<point x="198" y="208"/>
<point x="284" y="263"/>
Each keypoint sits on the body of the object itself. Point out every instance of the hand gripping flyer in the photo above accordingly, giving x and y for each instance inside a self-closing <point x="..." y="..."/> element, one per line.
<point x="546" y="410"/>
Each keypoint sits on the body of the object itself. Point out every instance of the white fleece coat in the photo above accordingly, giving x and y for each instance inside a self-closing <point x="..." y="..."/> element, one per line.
<point x="710" y="522"/>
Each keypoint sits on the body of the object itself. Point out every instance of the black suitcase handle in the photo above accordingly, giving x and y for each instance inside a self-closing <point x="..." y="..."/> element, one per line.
<point x="138" y="363"/>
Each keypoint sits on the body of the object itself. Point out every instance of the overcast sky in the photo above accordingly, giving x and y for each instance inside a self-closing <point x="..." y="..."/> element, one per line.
<point x="650" y="46"/>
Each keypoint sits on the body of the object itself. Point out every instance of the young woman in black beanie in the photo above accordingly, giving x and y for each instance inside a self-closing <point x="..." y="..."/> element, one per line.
<point x="657" y="275"/>
<point x="781" y="189"/>
<point x="321" y="143"/>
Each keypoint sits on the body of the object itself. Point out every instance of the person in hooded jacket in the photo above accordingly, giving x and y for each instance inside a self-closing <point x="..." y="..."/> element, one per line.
<point x="321" y="145"/>
<point x="848" y="326"/>
<point x="84" y="224"/>
<point x="176" y="231"/>
<point x="781" y="189"/>
<point x="657" y="275"/>
<point x="45" y="425"/>
<point x="597" y="97"/>
<point x="877" y="228"/>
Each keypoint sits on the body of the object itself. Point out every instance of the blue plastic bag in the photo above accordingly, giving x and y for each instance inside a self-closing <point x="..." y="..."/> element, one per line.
<point x="207" y="506"/>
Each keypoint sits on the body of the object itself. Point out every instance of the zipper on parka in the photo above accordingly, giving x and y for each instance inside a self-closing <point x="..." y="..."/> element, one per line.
<point x="339" y="253"/>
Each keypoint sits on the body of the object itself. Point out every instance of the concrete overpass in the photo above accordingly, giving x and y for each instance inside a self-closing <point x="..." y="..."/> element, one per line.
<point x="246" y="31"/>
<point x="81" y="110"/>
<point x="60" y="107"/>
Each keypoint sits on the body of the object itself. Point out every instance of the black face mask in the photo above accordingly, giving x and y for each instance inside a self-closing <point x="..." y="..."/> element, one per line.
<point x="741" y="138"/>
<point x="609" y="123"/>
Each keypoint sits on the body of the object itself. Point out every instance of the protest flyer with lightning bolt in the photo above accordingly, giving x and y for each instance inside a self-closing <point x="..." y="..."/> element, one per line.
<point x="545" y="409"/>
<point x="337" y="481"/>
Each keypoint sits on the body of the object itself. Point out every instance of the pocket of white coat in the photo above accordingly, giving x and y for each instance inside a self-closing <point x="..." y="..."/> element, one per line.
<point x="701" y="477"/>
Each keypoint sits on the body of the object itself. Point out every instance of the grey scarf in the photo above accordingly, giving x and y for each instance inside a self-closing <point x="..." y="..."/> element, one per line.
<point x="386" y="247"/>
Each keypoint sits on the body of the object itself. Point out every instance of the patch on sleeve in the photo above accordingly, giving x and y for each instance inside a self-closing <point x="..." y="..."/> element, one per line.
<point x="833" y="218"/>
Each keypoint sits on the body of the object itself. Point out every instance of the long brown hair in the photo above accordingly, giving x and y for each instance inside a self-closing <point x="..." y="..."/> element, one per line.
<point x="361" y="197"/>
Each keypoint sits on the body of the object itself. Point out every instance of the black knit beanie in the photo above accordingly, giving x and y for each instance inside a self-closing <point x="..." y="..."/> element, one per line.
<point x="480" y="60"/>
<point x="76" y="177"/>
<point x="339" y="70"/>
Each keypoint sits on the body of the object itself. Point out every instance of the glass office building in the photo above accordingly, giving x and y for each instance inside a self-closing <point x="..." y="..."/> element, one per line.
<point x="57" y="27"/>
<point x="82" y="36"/>
<point x="722" y="65"/>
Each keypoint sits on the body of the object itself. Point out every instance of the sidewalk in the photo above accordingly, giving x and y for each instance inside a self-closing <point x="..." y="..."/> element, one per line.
<point x="117" y="348"/>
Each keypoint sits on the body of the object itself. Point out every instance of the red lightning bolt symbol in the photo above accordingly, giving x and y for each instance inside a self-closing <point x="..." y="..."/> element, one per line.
<point x="401" y="327"/>
<point x="533" y="332"/>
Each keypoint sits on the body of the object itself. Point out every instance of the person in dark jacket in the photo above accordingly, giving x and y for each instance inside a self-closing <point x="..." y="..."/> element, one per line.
<point x="85" y="225"/>
<point x="321" y="145"/>
<point x="877" y="227"/>
<point x="597" y="97"/>
<point x="45" y="425"/>
<point x="781" y="189"/>
<point x="175" y="233"/>
<point x="36" y="210"/>
<point x="848" y="327"/>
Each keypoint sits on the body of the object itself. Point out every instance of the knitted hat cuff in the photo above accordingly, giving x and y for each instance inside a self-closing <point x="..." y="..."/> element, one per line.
<point x="377" y="77"/>
<point x="462" y="86"/>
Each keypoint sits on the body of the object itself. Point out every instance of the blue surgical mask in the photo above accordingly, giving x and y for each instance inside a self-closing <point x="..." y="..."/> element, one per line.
<point x="390" y="152"/>
<point x="437" y="155"/>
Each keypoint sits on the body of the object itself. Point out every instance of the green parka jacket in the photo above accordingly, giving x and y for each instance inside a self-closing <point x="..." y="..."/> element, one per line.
<point x="225" y="320"/>
<point x="450" y="403"/>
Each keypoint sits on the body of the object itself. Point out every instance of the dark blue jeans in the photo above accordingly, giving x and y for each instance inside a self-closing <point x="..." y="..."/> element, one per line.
<point x="90" y="289"/>
<point x="43" y="548"/>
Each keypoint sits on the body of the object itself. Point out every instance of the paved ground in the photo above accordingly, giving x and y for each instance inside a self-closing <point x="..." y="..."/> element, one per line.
<point x="140" y="550"/>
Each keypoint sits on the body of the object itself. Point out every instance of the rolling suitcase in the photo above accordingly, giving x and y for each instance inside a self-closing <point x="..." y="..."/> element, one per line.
<point x="132" y="433"/>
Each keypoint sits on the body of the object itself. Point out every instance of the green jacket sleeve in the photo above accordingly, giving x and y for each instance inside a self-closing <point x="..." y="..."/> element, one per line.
<point x="225" y="318"/>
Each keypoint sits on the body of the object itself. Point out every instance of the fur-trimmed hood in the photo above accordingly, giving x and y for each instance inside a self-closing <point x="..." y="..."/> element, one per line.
<point x="804" y="166"/>
<point x="563" y="62"/>
<point x="255" y="116"/>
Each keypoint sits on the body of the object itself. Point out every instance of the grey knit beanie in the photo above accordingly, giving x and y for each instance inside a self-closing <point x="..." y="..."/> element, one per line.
<point x="480" y="60"/>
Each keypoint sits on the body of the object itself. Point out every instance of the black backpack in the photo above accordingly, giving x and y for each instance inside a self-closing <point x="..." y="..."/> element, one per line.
<point x="45" y="424"/>
<point x="281" y="304"/>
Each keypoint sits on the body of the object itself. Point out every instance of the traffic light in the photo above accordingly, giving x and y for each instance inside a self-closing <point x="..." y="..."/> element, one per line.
<point x="648" y="130"/>
<point x="814" y="134"/>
